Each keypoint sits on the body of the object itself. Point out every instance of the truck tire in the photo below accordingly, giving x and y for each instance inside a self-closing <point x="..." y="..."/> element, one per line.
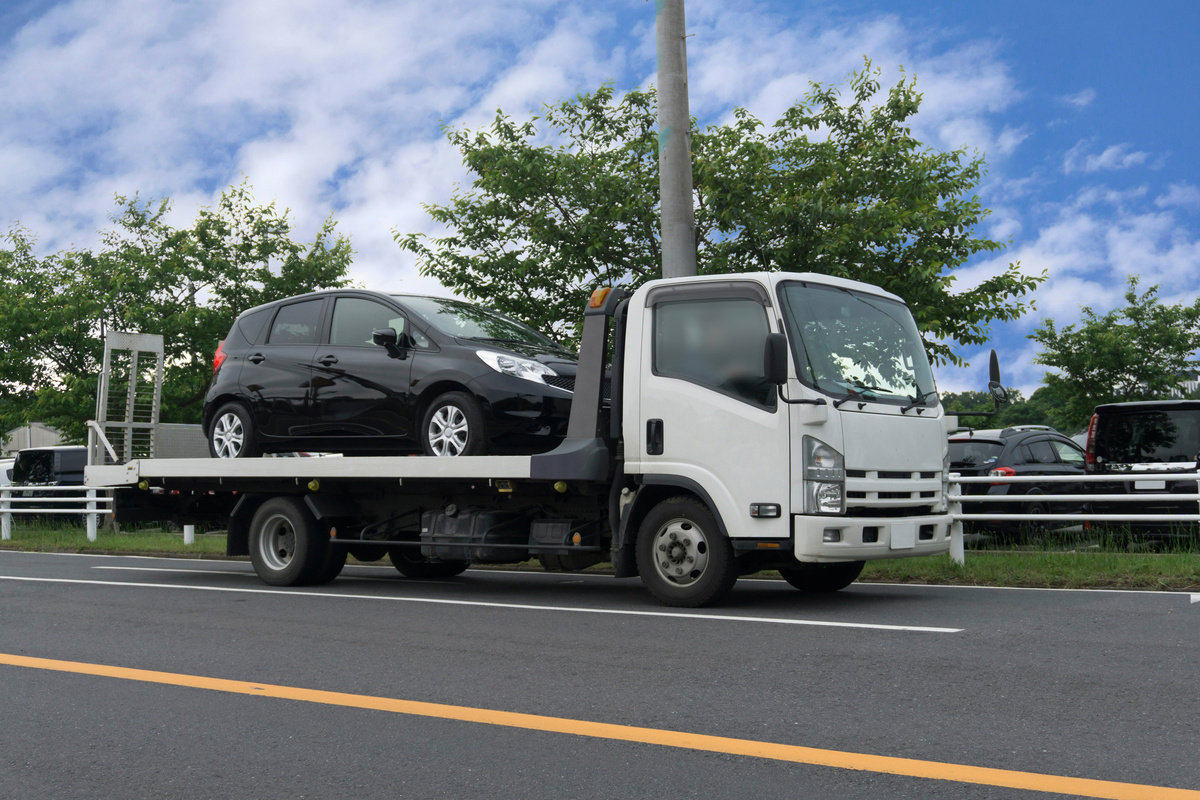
<point x="822" y="577"/>
<point x="453" y="426"/>
<point x="682" y="557"/>
<point x="335" y="561"/>
<point x="409" y="562"/>
<point x="288" y="546"/>
<point x="232" y="434"/>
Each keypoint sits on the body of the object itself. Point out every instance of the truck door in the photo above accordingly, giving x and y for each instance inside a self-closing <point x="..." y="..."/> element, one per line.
<point x="276" y="374"/>
<point x="361" y="388"/>
<point x="707" y="414"/>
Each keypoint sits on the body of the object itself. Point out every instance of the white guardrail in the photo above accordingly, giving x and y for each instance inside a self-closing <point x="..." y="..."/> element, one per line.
<point x="88" y="501"/>
<point x="956" y="499"/>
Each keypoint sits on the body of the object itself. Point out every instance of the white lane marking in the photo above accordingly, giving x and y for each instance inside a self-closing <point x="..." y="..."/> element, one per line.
<point x="818" y="623"/>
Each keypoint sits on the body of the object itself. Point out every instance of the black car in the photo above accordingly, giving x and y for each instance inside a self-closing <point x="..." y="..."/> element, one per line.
<point x="362" y="372"/>
<point x="1137" y="443"/>
<point x="1020" y="450"/>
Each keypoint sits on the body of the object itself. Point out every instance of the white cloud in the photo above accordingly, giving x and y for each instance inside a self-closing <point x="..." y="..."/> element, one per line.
<point x="1081" y="99"/>
<point x="1117" y="156"/>
<point x="1183" y="195"/>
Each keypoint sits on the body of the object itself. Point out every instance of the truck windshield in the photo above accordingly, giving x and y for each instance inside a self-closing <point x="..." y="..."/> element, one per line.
<point x="848" y="343"/>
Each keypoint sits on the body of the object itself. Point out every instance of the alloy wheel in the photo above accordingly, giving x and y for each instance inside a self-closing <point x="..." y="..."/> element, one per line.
<point x="229" y="436"/>
<point x="448" y="431"/>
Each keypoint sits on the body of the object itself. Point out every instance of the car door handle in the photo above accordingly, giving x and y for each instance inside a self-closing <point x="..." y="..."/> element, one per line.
<point x="256" y="358"/>
<point x="327" y="361"/>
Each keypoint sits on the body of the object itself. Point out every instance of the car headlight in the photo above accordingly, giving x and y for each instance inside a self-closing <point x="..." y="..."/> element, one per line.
<point x="517" y="367"/>
<point x="824" y="478"/>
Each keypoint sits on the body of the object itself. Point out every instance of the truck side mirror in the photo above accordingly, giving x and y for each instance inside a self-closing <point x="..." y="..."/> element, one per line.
<point x="385" y="337"/>
<point x="775" y="363"/>
<point x="995" y="387"/>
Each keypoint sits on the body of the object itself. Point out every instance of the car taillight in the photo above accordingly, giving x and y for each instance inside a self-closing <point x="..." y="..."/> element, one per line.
<point x="1001" y="472"/>
<point x="219" y="357"/>
<point x="1089" y="456"/>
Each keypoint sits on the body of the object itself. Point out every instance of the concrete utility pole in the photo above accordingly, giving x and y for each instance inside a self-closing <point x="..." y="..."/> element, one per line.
<point x="674" y="142"/>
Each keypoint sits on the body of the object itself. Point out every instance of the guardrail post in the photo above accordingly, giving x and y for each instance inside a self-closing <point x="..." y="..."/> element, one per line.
<point x="958" y="552"/>
<point x="189" y="534"/>
<point x="5" y="516"/>
<point x="92" y="515"/>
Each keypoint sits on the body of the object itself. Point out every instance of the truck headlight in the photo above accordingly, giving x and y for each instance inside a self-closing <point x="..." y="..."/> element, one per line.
<point x="517" y="367"/>
<point x="824" y="478"/>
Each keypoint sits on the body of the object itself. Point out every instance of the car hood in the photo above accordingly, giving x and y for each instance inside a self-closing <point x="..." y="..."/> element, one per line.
<point x="550" y="356"/>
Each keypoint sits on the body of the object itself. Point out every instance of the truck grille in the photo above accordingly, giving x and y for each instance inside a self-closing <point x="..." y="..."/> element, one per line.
<point x="884" y="493"/>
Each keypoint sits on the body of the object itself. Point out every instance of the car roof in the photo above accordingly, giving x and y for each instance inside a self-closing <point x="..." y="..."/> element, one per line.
<point x="1149" y="405"/>
<point x="1018" y="433"/>
<point x="347" y="290"/>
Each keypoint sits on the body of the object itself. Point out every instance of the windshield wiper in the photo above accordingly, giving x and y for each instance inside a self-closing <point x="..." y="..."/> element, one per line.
<point x="860" y="390"/>
<point x="501" y="341"/>
<point x="916" y="401"/>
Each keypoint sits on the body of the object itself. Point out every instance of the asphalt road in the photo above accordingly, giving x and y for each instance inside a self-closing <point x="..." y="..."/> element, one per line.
<point x="1096" y="685"/>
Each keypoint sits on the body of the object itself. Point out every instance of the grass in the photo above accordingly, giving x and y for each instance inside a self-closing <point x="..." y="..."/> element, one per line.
<point x="1100" y="561"/>
<point x="73" y="539"/>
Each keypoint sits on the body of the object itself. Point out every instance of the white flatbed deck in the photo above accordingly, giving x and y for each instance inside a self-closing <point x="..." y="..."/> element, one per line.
<point x="373" y="467"/>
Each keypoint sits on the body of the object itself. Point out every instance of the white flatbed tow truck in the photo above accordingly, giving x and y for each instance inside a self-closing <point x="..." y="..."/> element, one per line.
<point x="756" y="421"/>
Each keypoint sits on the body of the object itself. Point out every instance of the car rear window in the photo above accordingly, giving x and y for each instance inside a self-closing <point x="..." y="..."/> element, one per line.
<point x="974" y="452"/>
<point x="297" y="323"/>
<point x="1149" y="437"/>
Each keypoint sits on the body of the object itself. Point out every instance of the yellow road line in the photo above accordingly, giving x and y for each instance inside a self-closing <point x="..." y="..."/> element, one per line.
<point x="933" y="770"/>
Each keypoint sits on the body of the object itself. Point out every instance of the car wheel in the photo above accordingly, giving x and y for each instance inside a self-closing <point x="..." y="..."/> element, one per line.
<point x="823" y="577"/>
<point x="1034" y="528"/>
<point x="682" y="557"/>
<point x="231" y="434"/>
<point x="453" y="426"/>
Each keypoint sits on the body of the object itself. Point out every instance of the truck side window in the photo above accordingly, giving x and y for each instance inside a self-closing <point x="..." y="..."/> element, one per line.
<point x="297" y="323"/>
<point x="355" y="319"/>
<point x="715" y="343"/>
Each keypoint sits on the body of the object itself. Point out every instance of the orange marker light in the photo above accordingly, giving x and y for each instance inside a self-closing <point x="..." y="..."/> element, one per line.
<point x="598" y="297"/>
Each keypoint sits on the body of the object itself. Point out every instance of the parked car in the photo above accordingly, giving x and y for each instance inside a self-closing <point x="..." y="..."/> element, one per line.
<point x="1017" y="451"/>
<point x="49" y="466"/>
<point x="1138" y="440"/>
<point x="361" y="372"/>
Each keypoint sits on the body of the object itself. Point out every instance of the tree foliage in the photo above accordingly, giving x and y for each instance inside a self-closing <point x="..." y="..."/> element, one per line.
<point x="1139" y="352"/>
<point x="839" y="188"/>
<point x="187" y="284"/>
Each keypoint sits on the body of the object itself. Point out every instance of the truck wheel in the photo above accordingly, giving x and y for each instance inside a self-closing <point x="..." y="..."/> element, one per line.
<point x="367" y="553"/>
<point x="335" y="561"/>
<point x="822" y="577"/>
<point x="288" y="546"/>
<point x="453" y="426"/>
<point x="682" y="557"/>
<point x="232" y="433"/>
<point x="411" y="564"/>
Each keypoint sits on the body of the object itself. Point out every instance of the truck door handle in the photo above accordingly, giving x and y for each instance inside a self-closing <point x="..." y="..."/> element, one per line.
<point x="256" y="358"/>
<point x="327" y="361"/>
<point x="654" y="437"/>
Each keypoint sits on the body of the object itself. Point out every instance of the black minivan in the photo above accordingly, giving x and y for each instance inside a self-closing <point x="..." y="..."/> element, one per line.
<point x="361" y="372"/>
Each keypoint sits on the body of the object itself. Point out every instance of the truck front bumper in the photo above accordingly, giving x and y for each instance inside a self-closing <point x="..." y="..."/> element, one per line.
<point x="869" y="538"/>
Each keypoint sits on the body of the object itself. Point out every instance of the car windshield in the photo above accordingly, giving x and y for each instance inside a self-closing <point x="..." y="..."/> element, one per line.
<point x="850" y="343"/>
<point x="466" y="321"/>
<point x="1149" y="437"/>
<point x="974" y="453"/>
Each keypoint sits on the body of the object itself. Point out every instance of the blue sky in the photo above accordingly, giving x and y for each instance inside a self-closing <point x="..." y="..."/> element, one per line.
<point x="1087" y="114"/>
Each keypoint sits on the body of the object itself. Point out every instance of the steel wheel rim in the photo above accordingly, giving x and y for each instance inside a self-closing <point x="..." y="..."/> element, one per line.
<point x="680" y="551"/>
<point x="229" y="436"/>
<point x="277" y="544"/>
<point x="448" y="431"/>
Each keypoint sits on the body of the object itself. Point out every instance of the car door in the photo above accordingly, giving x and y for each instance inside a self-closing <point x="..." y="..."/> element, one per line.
<point x="361" y="389"/>
<point x="276" y="375"/>
<point x="1071" y="461"/>
<point x="704" y="405"/>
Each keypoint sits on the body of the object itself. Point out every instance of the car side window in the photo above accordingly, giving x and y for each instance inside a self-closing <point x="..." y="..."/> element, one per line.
<point x="716" y="343"/>
<point x="297" y="323"/>
<point x="355" y="319"/>
<point x="1042" y="452"/>
<point x="1068" y="454"/>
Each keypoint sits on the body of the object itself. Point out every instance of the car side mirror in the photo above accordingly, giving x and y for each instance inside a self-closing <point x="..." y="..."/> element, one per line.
<point x="995" y="387"/>
<point x="775" y="362"/>
<point x="385" y="337"/>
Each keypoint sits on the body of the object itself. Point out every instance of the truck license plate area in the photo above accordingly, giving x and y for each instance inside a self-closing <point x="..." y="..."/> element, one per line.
<point x="904" y="535"/>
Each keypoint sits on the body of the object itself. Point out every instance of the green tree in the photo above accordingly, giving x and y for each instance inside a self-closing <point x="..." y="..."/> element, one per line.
<point x="1139" y="352"/>
<point x="836" y="187"/>
<point x="186" y="284"/>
